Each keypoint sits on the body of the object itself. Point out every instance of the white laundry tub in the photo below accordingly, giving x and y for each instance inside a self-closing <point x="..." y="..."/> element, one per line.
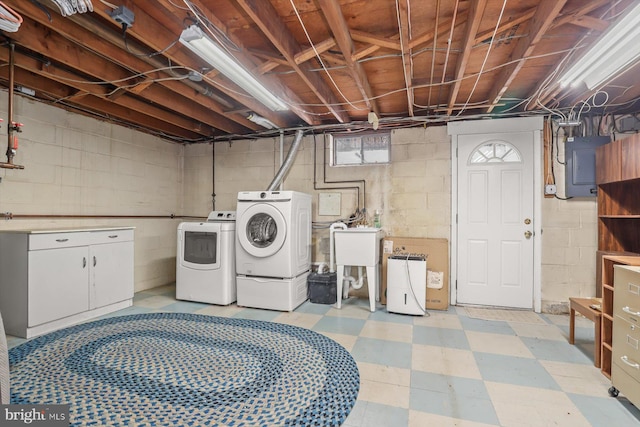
<point x="358" y="247"/>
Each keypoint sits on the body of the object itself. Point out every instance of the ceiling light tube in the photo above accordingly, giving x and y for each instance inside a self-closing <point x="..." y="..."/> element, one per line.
<point x="612" y="54"/>
<point x="200" y="44"/>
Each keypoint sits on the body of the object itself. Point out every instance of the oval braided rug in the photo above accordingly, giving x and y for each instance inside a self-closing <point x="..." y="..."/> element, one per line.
<point x="170" y="369"/>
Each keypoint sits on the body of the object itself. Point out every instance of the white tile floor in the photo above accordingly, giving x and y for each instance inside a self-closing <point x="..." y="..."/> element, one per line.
<point x="448" y="369"/>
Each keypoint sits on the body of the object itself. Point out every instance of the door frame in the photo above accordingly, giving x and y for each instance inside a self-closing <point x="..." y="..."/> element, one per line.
<point x="474" y="127"/>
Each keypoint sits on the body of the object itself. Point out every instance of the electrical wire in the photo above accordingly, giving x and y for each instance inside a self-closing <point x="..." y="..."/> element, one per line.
<point x="404" y="66"/>
<point x="433" y="55"/>
<point x="486" y="57"/>
<point x="561" y="67"/>
<point x="304" y="28"/>
<point x="413" y="292"/>
<point x="10" y="20"/>
<point x="70" y="7"/>
<point x="111" y="5"/>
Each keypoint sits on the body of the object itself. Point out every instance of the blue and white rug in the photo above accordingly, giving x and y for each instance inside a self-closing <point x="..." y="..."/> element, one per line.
<point x="173" y="369"/>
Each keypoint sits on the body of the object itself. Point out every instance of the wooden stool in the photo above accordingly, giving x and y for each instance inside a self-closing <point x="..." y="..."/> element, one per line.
<point x="582" y="306"/>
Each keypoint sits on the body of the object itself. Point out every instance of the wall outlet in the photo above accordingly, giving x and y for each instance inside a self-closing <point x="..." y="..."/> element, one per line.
<point x="550" y="189"/>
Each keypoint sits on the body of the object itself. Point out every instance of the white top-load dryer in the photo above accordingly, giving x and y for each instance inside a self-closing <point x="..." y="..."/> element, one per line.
<point x="273" y="248"/>
<point x="205" y="261"/>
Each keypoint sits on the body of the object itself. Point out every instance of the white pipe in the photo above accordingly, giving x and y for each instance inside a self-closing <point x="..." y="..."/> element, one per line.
<point x="321" y="266"/>
<point x="335" y="226"/>
<point x="360" y="282"/>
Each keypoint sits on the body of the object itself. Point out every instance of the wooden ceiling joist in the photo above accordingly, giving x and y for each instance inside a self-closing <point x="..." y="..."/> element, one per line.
<point x="340" y="30"/>
<point x="270" y="23"/>
<point x="546" y="12"/>
<point x="473" y="23"/>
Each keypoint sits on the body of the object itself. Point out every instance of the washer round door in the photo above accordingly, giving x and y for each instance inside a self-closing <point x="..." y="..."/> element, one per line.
<point x="261" y="230"/>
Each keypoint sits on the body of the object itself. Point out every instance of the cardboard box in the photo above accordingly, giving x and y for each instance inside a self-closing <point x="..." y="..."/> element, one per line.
<point x="437" y="252"/>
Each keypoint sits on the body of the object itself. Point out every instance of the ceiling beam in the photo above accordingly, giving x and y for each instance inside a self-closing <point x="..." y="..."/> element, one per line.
<point x="316" y="49"/>
<point x="524" y="17"/>
<point x="37" y="38"/>
<point x="364" y="37"/>
<point x="405" y="40"/>
<point x="473" y="23"/>
<point x="268" y="20"/>
<point x="578" y="13"/>
<point x="83" y="56"/>
<point x="546" y="12"/>
<point x="543" y="93"/>
<point x="102" y="109"/>
<point x="340" y="30"/>
<point x="270" y="82"/>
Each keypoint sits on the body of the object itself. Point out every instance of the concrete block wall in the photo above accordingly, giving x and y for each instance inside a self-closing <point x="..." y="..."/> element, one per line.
<point x="75" y="165"/>
<point x="413" y="192"/>
<point x="569" y="243"/>
<point x="78" y="165"/>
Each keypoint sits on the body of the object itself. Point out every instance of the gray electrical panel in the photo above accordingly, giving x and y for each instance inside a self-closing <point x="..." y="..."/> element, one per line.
<point x="580" y="168"/>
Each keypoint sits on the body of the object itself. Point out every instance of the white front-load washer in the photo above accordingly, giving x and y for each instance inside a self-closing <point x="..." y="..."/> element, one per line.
<point x="205" y="261"/>
<point x="273" y="248"/>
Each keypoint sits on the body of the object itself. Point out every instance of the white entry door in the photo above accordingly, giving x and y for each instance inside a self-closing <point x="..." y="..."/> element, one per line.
<point x="495" y="225"/>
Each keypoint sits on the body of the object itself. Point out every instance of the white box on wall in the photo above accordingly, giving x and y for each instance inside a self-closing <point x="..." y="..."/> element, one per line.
<point x="329" y="204"/>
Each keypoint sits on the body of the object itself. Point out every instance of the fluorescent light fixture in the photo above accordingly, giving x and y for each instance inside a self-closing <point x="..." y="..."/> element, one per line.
<point x="207" y="49"/>
<point x="616" y="50"/>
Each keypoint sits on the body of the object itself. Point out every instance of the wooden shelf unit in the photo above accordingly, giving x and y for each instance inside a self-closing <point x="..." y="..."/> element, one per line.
<point x="618" y="180"/>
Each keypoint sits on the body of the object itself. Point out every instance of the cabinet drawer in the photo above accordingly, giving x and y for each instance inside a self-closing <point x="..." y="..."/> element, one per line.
<point x="626" y="346"/>
<point x="57" y="240"/>
<point x="627" y="385"/>
<point x="110" y="236"/>
<point x="626" y="300"/>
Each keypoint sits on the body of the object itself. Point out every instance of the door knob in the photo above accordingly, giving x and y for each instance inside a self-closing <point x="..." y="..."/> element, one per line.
<point x="527" y="221"/>
<point x="528" y="234"/>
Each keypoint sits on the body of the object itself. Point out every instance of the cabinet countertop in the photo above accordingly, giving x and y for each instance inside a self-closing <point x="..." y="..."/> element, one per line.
<point x="66" y="230"/>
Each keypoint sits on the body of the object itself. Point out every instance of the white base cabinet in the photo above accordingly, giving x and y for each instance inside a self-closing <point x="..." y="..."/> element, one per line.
<point x="51" y="279"/>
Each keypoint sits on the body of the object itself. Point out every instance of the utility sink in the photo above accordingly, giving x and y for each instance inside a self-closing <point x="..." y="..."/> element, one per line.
<point x="358" y="246"/>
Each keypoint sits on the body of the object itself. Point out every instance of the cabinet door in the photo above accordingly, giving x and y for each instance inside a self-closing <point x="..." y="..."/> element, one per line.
<point x="630" y="149"/>
<point x="111" y="273"/>
<point x="608" y="162"/>
<point x="58" y="283"/>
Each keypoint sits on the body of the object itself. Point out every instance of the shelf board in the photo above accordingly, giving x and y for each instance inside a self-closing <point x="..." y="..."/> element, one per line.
<point x="607" y="287"/>
<point x="607" y="316"/>
<point x="607" y="346"/>
<point x="619" y="216"/>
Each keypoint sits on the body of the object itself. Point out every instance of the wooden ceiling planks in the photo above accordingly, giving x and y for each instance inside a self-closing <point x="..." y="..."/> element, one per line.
<point x="398" y="58"/>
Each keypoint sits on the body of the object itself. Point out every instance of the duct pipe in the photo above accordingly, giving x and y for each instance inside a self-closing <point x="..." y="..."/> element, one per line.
<point x="287" y="162"/>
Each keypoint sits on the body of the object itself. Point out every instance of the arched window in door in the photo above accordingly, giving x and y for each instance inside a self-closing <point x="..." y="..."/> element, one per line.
<point x="495" y="152"/>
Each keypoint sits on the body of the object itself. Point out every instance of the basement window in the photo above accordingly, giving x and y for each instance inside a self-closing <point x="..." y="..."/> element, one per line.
<point x="355" y="149"/>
